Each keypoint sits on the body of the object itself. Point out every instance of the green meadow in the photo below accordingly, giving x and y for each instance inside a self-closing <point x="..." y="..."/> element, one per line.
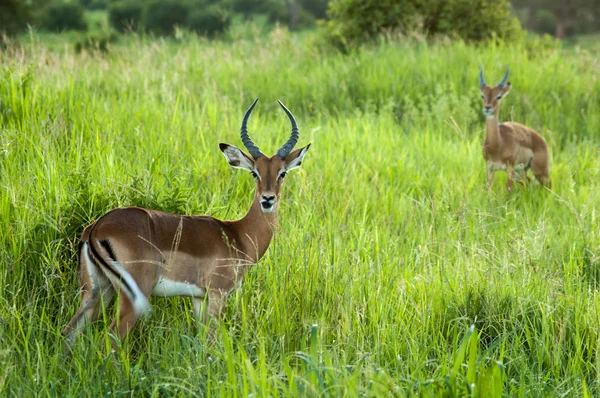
<point x="393" y="271"/>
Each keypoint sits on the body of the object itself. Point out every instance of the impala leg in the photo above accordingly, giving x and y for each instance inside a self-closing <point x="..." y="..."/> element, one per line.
<point x="198" y="303"/>
<point x="213" y="312"/>
<point x="86" y="312"/>
<point x="216" y="304"/>
<point x="490" y="177"/>
<point x="541" y="169"/>
<point x="126" y="319"/>
<point x="523" y="178"/>
<point x="95" y="287"/>
<point x="510" y="180"/>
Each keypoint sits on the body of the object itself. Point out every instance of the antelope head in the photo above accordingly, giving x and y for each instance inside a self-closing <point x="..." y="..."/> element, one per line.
<point x="493" y="95"/>
<point x="268" y="172"/>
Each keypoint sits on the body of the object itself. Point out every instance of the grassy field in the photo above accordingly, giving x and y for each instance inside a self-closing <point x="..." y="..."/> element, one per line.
<point x="393" y="271"/>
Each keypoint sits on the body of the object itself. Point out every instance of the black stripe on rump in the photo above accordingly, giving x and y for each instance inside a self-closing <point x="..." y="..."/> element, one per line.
<point x="106" y="245"/>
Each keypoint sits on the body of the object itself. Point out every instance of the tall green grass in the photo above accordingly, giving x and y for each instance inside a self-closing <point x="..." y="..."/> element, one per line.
<point x="393" y="270"/>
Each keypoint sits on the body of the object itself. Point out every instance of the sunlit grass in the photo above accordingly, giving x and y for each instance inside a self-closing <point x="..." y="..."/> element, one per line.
<point x="393" y="270"/>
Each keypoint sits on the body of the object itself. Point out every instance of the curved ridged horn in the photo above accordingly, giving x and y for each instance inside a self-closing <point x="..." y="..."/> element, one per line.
<point x="253" y="149"/>
<point x="503" y="82"/>
<point x="482" y="83"/>
<point x="288" y="146"/>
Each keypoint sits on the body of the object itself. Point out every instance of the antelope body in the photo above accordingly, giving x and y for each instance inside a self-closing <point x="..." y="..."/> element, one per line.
<point x="511" y="146"/>
<point x="140" y="252"/>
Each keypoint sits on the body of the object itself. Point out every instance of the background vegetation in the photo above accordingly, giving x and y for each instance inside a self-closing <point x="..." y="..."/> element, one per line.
<point x="393" y="271"/>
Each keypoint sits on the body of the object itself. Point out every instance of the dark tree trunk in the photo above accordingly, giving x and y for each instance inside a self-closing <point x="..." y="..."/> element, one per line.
<point x="293" y="13"/>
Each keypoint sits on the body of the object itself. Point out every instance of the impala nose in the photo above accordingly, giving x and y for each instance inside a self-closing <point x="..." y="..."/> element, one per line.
<point x="267" y="202"/>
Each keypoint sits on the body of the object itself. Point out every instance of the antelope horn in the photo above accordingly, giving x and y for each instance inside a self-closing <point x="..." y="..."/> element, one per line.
<point x="503" y="82"/>
<point x="253" y="149"/>
<point x="288" y="146"/>
<point x="482" y="83"/>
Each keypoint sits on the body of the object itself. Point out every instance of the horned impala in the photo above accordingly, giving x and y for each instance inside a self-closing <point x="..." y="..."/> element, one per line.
<point x="140" y="252"/>
<point x="511" y="146"/>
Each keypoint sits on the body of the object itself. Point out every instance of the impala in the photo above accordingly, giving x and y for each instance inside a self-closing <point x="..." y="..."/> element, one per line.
<point x="511" y="146"/>
<point x="141" y="252"/>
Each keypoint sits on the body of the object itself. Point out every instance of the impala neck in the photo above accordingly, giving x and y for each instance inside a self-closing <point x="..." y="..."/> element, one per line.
<point x="492" y="131"/>
<point x="256" y="230"/>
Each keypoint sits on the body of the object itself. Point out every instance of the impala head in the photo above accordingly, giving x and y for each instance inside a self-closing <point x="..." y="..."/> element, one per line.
<point x="268" y="172"/>
<point x="492" y="95"/>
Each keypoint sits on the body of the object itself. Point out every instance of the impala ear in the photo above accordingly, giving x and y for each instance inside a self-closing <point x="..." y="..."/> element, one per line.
<point x="236" y="157"/>
<point x="294" y="159"/>
<point x="506" y="89"/>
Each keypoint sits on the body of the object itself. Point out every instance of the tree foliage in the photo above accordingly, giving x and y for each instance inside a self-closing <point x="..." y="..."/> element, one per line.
<point x="355" y="21"/>
<point x="14" y="16"/>
<point x="61" y="15"/>
<point x="563" y="17"/>
<point x="125" y="15"/>
<point x="209" y="21"/>
<point x="161" y="16"/>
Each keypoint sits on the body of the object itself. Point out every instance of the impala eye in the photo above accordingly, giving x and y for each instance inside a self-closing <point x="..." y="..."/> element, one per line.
<point x="282" y="175"/>
<point x="254" y="174"/>
<point x="499" y="96"/>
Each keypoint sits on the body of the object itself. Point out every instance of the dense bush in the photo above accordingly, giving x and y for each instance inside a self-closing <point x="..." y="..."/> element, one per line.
<point x="209" y="21"/>
<point x="64" y="16"/>
<point x="354" y="21"/>
<point x="96" y="43"/>
<point x="125" y="15"/>
<point x="94" y="4"/>
<point x="14" y="16"/>
<point x="294" y="16"/>
<point x="161" y="16"/>
<point x="545" y="22"/>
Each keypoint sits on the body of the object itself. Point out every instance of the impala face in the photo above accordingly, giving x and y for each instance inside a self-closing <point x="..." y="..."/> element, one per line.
<point x="492" y="96"/>
<point x="267" y="172"/>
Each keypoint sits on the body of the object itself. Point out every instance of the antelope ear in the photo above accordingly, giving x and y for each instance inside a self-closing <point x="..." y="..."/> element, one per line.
<point x="294" y="159"/>
<point x="506" y="89"/>
<point x="236" y="157"/>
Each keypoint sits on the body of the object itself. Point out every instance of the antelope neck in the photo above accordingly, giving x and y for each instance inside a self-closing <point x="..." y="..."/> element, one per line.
<point x="492" y="131"/>
<point x="256" y="229"/>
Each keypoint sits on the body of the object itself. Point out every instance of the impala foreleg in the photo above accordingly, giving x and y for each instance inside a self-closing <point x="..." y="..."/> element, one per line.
<point x="490" y="176"/>
<point x="215" y="305"/>
<point x="522" y="178"/>
<point x="510" y="176"/>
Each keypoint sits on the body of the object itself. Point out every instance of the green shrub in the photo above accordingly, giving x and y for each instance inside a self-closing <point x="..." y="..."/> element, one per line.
<point x="209" y="21"/>
<point x="283" y="15"/>
<point x="355" y="21"/>
<point x="14" y="16"/>
<point x="94" y="4"/>
<point x="64" y="16"/>
<point x="545" y="22"/>
<point x="160" y="16"/>
<point x="125" y="15"/>
<point x="96" y="43"/>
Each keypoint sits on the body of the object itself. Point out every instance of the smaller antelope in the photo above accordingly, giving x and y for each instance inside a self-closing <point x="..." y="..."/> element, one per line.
<point x="141" y="252"/>
<point x="511" y="146"/>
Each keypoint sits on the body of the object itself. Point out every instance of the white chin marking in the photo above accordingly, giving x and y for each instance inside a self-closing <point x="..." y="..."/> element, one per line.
<point x="269" y="210"/>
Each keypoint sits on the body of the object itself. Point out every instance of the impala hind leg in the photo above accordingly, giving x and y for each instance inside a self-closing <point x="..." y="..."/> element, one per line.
<point x="96" y="288"/>
<point x="541" y="169"/>
<point x="131" y="308"/>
